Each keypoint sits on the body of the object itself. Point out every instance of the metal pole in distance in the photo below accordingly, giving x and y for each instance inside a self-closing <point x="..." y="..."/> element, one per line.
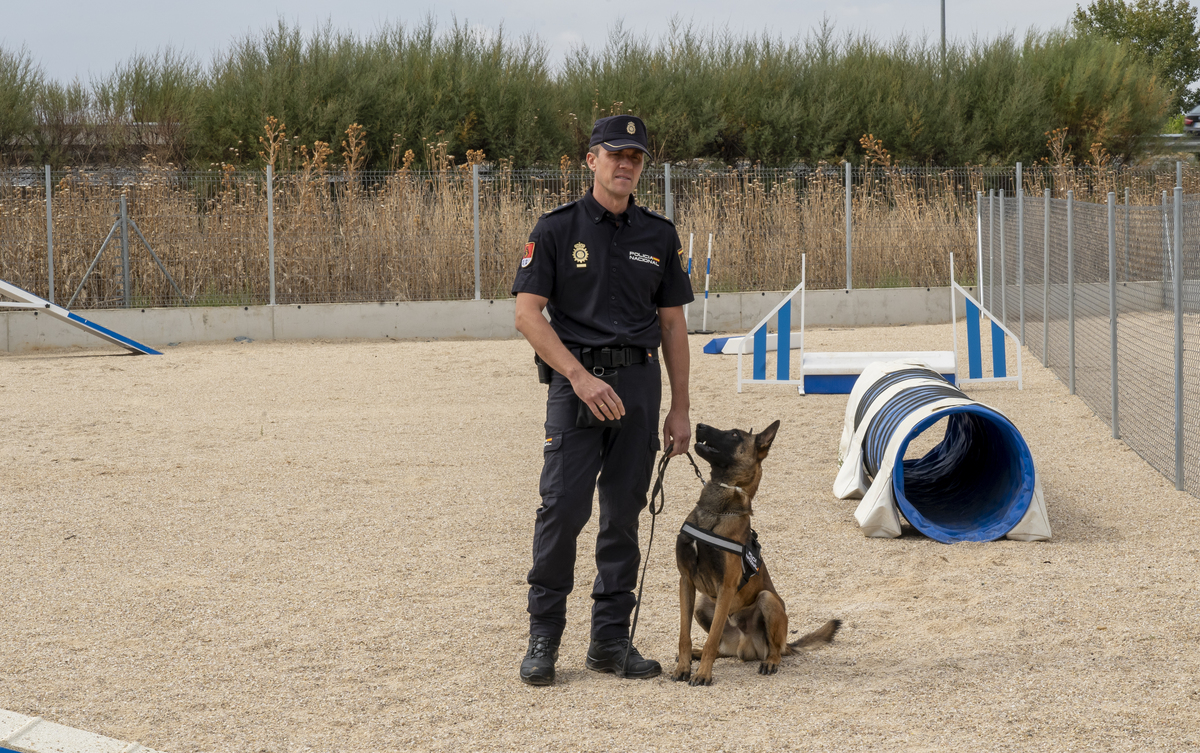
<point x="943" y="35"/>
<point x="271" y="230"/>
<point x="49" y="239"/>
<point x="1178" y="174"/>
<point x="1003" y="267"/>
<point x="849" y="229"/>
<point x="1071" y="292"/>
<point x="1046" y="277"/>
<point x="670" y="203"/>
<point x="125" y="251"/>
<point x="1021" y="248"/>
<point x="1178" y="291"/>
<point x="475" y="212"/>
<point x="1112" y="307"/>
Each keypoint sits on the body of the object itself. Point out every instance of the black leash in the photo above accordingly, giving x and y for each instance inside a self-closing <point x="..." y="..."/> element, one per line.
<point x="660" y="494"/>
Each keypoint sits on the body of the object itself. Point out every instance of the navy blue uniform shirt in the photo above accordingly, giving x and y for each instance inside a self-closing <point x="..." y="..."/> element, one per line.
<point x="605" y="275"/>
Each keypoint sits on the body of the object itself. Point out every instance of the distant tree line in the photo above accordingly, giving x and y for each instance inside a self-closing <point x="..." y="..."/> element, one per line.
<point x="706" y="95"/>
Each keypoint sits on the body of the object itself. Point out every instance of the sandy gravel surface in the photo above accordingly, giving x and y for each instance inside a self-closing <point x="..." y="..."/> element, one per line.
<point x="322" y="546"/>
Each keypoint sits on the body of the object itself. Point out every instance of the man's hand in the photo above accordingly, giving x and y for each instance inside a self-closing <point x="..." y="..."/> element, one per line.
<point x="677" y="428"/>
<point x="677" y="433"/>
<point x="598" y="395"/>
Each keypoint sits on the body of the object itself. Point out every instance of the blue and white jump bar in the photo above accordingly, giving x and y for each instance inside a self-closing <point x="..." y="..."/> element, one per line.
<point x="28" y="301"/>
<point x="976" y="311"/>
<point x="782" y="339"/>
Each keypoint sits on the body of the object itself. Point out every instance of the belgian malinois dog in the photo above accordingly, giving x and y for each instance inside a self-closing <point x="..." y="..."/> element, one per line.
<point x="735" y="589"/>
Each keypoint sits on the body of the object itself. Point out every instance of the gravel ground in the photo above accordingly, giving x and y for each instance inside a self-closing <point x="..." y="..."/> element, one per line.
<point x="289" y="546"/>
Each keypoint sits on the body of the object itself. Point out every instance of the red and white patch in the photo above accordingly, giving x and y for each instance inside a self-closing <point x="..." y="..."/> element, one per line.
<point x="525" y="260"/>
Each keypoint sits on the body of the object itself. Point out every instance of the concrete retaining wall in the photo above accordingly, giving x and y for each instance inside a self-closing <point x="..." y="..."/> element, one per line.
<point x="22" y="331"/>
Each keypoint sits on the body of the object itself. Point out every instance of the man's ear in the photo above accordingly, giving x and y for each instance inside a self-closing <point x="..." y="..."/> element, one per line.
<point x="763" y="441"/>
<point x="590" y="158"/>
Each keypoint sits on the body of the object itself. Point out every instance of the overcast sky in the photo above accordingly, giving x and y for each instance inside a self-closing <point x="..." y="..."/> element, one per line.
<point x="70" y="38"/>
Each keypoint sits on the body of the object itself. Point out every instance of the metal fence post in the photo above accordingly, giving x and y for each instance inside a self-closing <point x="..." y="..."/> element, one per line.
<point x="49" y="239"/>
<point x="991" y="298"/>
<point x="670" y="202"/>
<point x="1127" y="234"/>
<point x="1021" y="248"/>
<point x="125" y="251"/>
<point x="1046" y="277"/>
<point x="1168" y="266"/>
<point x="271" y="230"/>
<point x="979" y="245"/>
<point x="475" y="212"/>
<point x="1178" y="291"/>
<point x="1003" y="267"/>
<point x="849" y="229"/>
<point x="1112" y="307"/>
<point x="1071" y="292"/>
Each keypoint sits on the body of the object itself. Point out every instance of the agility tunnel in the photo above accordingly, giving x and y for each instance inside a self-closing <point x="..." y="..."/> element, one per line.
<point x="978" y="483"/>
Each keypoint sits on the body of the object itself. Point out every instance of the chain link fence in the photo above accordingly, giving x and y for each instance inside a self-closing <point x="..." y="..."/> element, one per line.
<point x="1092" y="288"/>
<point x="237" y="237"/>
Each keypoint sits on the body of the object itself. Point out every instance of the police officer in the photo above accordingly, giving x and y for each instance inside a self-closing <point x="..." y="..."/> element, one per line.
<point x="611" y="276"/>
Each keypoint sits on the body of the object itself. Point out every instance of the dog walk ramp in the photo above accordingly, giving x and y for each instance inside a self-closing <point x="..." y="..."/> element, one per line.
<point x="23" y="299"/>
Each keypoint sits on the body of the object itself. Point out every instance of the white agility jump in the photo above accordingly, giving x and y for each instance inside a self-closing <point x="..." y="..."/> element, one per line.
<point x="834" y="373"/>
<point x="23" y="299"/>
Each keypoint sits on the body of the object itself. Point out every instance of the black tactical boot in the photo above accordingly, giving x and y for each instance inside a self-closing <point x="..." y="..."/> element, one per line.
<point x="538" y="666"/>
<point x="607" y="656"/>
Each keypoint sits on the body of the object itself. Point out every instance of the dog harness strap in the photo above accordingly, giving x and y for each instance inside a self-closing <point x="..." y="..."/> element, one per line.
<point x="750" y="554"/>
<point x="712" y="539"/>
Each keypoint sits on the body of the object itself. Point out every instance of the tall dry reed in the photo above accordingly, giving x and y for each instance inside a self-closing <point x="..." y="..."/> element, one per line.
<point x="347" y="234"/>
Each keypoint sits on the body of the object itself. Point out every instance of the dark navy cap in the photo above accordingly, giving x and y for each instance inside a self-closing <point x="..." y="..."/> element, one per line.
<point x="620" y="132"/>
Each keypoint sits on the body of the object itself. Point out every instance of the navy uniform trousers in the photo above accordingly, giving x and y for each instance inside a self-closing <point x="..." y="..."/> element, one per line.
<point x="576" y="462"/>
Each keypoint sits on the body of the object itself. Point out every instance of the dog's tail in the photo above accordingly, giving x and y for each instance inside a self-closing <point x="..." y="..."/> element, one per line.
<point x="823" y="634"/>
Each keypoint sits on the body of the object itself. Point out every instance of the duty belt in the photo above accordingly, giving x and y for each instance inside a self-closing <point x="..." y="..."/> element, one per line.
<point x="612" y="358"/>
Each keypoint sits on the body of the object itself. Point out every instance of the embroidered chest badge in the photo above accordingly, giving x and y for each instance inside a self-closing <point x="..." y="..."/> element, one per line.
<point x="580" y="255"/>
<point x="644" y="258"/>
<point x="528" y="254"/>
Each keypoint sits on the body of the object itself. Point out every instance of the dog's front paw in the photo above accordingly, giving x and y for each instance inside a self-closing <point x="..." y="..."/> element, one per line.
<point x="768" y="668"/>
<point x="701" y="679"/>
<point x="681" y="674"/>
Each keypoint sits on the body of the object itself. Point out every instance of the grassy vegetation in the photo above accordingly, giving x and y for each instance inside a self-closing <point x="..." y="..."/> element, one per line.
<point x="705" y="95"/>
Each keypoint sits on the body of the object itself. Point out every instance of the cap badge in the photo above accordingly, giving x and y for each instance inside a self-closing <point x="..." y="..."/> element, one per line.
<point x="580" y="255"/>
<point x="630" y="128"/>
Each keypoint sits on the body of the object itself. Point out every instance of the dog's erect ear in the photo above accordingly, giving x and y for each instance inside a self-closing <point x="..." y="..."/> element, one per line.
<point x="763" y="441"/>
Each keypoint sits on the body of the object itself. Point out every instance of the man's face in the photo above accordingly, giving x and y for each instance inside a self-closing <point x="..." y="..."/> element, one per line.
<point x="617" y="172"/>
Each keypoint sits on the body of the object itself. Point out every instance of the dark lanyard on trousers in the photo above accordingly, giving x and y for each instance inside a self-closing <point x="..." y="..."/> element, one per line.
<point x="660" y="494"/>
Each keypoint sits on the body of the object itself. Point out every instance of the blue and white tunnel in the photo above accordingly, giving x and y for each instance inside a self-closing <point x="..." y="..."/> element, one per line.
<point x="977" y="484"/>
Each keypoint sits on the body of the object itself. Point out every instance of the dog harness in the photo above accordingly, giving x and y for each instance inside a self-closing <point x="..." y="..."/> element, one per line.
<point x="750" y="553"/>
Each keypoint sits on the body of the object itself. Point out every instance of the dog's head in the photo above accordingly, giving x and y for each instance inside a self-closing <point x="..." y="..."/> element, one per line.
<point x="735" y="455"/>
